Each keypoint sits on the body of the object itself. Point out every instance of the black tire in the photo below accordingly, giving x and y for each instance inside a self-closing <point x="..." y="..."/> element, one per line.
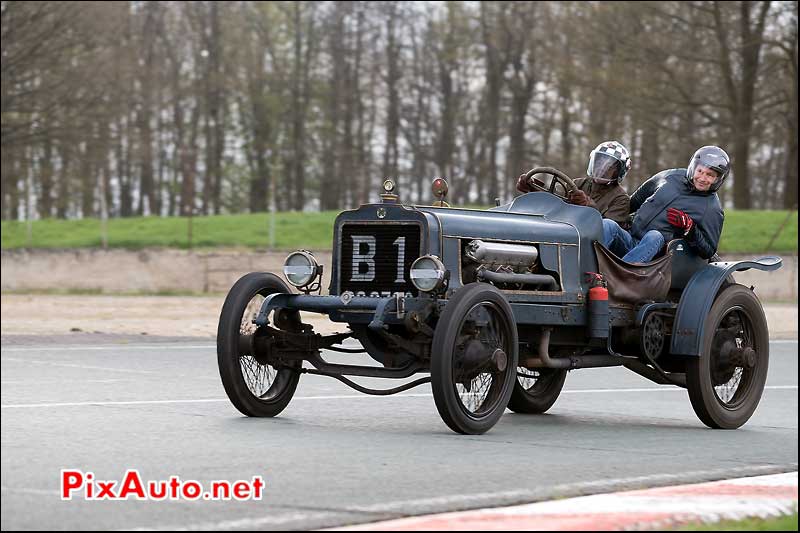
<point x="725" y="394"/>
<point x="476" y="317"/>
<point x="255" y="389"/>
<point x="535" y="391"/>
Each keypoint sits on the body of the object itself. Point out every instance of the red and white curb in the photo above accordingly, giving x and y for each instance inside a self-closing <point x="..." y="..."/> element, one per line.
<point x="731" y="499"/>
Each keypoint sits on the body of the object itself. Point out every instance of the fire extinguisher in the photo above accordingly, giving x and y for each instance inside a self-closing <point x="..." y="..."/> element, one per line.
<point x="598" y="306"/>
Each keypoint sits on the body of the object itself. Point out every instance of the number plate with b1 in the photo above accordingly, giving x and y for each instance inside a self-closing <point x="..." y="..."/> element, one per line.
<point x="378" y="258"/>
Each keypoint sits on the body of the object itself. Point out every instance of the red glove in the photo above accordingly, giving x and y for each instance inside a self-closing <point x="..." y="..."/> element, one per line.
<point x="679" y="219"/>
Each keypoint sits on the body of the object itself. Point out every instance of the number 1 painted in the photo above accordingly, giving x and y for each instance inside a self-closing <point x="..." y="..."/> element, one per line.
<point x="400" y="242"/>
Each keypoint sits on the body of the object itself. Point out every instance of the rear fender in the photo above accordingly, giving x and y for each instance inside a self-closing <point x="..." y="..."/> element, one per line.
<point x="698" y="297"/>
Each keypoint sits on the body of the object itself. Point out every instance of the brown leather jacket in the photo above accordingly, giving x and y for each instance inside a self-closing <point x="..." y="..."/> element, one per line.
<point x="611" y="200"/>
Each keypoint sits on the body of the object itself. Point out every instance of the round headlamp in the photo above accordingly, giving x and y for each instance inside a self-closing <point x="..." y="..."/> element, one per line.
<point x="427" y="273"/>
<point x="300" y="268"/>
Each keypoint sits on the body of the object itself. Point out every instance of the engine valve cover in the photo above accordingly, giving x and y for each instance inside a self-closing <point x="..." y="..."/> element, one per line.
<point x="500" y="253"/>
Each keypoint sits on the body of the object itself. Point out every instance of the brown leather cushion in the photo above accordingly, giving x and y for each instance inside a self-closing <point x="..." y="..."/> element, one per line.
<point x="633" y="283"/>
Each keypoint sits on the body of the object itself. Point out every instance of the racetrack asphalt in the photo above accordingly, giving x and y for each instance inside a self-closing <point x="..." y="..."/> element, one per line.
<point x="336" y="457"/>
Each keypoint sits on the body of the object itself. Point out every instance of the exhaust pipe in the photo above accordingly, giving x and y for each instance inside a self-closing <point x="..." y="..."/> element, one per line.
<point x="544" y="281"/>
<point x="568" y="363"/>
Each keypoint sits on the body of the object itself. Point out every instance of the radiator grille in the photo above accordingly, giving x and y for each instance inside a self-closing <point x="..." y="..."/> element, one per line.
<point x="376" y="258"/>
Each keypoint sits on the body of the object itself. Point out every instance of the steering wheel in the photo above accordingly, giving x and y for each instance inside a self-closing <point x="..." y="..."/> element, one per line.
<point x="558" y="176"/>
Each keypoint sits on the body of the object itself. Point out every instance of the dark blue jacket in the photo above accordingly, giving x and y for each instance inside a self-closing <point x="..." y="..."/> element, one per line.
<point x="704" y="208"/>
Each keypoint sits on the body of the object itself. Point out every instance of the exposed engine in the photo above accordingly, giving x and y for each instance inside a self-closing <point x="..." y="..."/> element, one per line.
<point x="506" y="265"/>
<point x="519" y="257"/>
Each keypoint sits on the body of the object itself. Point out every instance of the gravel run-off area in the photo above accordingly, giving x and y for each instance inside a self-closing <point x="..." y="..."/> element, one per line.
<point x="191" y="316"/>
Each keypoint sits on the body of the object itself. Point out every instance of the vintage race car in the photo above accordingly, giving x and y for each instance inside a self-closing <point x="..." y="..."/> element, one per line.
<point x="494" y="307"/>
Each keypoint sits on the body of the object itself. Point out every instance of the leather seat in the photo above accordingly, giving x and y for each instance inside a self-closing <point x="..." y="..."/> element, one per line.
<point x="685" y="263"/>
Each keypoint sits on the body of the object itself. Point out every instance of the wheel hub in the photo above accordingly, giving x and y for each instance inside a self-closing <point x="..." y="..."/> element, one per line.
<point x="735" y="356"/>
<point x="500" y="360"/>
<point x="725" y="355"/>
<point x="652" y="337"/>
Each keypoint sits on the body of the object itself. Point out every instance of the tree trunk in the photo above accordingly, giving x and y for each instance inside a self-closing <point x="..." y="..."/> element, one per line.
<point x="124" y="168"/>
<point x="564" y="100"/>
<point x="347" y="154"/>
<point x="444" y="150"/>
<point x="330" y="186"/>
<point x="87" y="181"/>
<point x="650" y="154"/>
<point x="161" y="142"/>
<point x="10" y="172"/>
<point x="390" y="152"/>
<point x="65" y="176"/>
<point x="146" y="189"/>
<point x="298" y="112"/>
<point x="516" y="149"/>
<point x="741" y="157"/>
<point x="790" y="165"/>
<point x="259" y="183"/>
<point x="487" y="185"/>
<point x="214" y="112"/>
<point x="45" y="199"/>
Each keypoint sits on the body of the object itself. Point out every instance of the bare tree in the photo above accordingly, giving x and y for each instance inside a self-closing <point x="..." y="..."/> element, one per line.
<point x="161" y="107"/>
<point x="520" y="23"/>
<point x="495" y="42"/>
<point x="306" y="48"/>
<point x="741" y="89"/>
<point x="393" y="75"/>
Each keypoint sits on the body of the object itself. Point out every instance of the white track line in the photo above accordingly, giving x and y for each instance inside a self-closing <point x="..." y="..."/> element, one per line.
<point x="336" y="397"/>
<point x="176" y="346"/>
<point x="85" y="367"/>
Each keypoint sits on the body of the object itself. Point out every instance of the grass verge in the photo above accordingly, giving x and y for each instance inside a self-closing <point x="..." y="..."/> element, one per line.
<point x="744" y="232"/>
<point x="781" y="523"/>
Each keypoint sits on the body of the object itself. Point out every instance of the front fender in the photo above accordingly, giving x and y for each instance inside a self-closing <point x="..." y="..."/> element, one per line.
<point x="698" y="297"/>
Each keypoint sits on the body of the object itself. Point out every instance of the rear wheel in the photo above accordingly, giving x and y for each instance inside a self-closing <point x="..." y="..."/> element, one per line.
<point x="536" y="390"/>
<point x="726" y="381"/>
<point x="255" y="387"/>
<point x="474" y="359"/>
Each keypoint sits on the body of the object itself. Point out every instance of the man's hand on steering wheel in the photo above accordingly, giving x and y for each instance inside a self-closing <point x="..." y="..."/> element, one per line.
<point x="522" y="184"/>
<point x="527" y="183"/>
<point x="578" y="197"/>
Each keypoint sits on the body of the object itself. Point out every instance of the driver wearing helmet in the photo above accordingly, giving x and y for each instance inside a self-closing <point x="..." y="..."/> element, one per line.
<point x="608" y="164"/>
<point x="685" y="206"/>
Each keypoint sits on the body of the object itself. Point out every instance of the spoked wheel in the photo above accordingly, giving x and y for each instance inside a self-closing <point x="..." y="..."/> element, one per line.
<point x="255" y="387"/>
<point x="726" y="382"/>
<point x="536" y="390"/>
<point x="474" y="359"/>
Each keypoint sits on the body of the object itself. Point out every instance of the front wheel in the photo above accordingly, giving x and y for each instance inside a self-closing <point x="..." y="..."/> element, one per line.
<point x="255" y="387"/>
<point x="474" y="359"/>
<point x="726" y="381"/>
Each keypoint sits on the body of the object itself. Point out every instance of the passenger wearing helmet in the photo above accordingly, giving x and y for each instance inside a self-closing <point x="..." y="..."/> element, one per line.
<point x="685" y="206"/>
<point x="608" y="164"/>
